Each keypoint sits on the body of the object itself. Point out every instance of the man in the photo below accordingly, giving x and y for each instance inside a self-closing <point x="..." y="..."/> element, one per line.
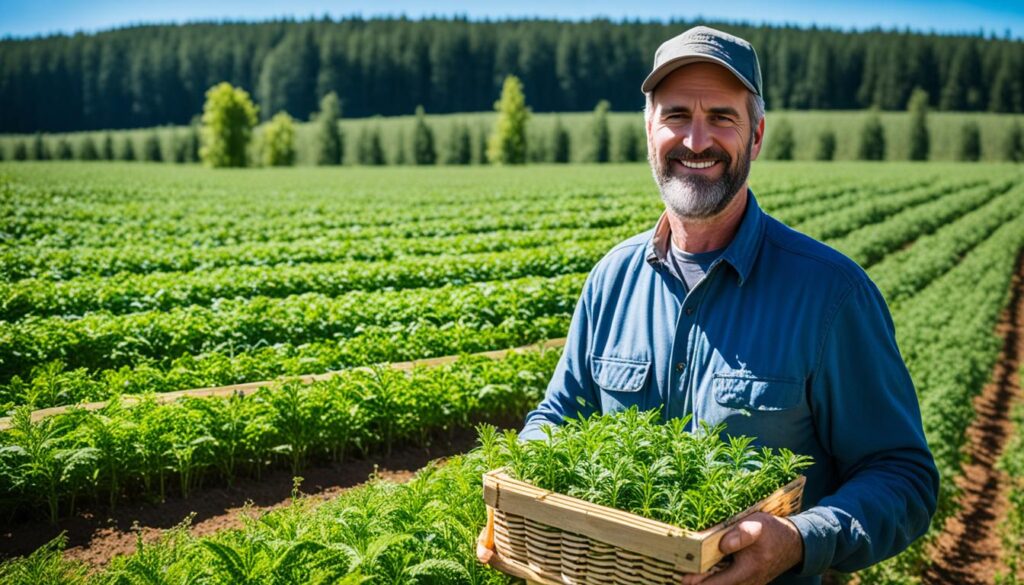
<point x="724" y="313"/>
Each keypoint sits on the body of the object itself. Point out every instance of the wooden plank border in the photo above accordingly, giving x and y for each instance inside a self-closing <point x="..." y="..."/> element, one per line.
<point x="250" y="387"/>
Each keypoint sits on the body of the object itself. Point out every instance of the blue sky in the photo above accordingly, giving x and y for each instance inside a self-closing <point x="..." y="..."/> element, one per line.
<point x="22" y="18"/>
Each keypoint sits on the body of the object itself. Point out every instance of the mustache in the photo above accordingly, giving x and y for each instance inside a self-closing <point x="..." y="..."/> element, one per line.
<point x="681" y="152"/>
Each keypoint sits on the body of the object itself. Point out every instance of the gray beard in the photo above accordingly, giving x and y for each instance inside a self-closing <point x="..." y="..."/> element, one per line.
<point x="694" y="197"/>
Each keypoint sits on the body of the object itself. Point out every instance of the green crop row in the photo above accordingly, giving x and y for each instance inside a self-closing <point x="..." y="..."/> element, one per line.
<point x="166" y="290"/>
<point x="869" y="244"/>
<point x="807" y="205"/>
<point x="839" y="222"/>
<point x="62" y="264"/>
<point x="946" y="333"/>
<point x="105" y="342"/>
<point x="418" y="533"/>
<point x="1011" y="463"/>
<point x="902" y="274"/>
<point x="65" y="460"/>
<point x="391" y="521"/>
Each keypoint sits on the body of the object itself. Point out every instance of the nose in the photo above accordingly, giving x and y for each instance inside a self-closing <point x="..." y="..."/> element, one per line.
<point x="698" y="136"/>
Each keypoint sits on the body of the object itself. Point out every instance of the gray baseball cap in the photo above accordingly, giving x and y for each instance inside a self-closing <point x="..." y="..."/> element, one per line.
<point x="702" y="43"/>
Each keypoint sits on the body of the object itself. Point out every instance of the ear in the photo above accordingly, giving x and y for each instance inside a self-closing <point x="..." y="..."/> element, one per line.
<point x="755" y="147"/>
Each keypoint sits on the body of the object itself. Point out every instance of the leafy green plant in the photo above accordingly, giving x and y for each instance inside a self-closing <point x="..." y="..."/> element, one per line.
<point x="629" y="461"/>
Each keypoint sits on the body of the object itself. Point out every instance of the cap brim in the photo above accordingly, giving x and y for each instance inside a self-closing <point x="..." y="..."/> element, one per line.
<point x="671" y="65"/>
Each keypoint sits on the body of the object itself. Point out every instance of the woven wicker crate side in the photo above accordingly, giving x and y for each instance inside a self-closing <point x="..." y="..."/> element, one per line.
<point x="615" y="527"/>
<point x="687" y="551"/>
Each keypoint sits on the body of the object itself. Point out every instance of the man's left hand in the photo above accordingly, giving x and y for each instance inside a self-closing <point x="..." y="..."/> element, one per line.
<point x="763" y="547"/>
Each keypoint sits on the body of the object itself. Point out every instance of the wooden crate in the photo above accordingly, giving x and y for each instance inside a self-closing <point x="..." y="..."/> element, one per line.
<point x="553" y="539"/>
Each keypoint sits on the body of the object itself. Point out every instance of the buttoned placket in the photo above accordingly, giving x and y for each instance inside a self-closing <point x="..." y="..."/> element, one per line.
<point x="686" y="327"/>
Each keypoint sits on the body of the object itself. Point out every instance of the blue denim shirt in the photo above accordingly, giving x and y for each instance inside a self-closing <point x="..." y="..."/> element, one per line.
<point x="786" y="340"/>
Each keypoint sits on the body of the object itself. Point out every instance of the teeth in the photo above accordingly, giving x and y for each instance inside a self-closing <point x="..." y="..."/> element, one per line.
<point x="697" y="165"/>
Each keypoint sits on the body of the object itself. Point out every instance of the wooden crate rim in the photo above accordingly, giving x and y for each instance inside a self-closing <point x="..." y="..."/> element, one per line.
<point x="500" y="476"/>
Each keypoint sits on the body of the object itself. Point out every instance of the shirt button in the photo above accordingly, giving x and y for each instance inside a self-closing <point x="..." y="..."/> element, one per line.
<point x="689" y="310"/>
<point x="680" y="366"/>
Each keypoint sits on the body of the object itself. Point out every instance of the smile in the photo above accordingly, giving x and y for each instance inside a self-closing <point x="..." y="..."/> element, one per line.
<point x="693" y="164"/>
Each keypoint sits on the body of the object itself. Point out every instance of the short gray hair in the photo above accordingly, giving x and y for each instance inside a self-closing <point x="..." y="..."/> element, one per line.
<point x="755" y="107"/>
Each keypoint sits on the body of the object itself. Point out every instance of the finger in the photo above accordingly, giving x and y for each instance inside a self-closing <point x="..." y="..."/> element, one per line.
<point x="742" y="570"/>
<point x="694" y="579"/>
<point x="741" y="536"/>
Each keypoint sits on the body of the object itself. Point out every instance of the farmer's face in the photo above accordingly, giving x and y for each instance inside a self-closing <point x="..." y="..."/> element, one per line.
<point x="700" y="139"/>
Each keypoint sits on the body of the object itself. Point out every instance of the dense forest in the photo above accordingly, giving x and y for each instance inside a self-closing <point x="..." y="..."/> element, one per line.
<point x="157" y="74"/>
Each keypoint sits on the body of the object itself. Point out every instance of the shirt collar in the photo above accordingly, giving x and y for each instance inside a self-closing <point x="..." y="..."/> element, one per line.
<point x="741" y="251"/>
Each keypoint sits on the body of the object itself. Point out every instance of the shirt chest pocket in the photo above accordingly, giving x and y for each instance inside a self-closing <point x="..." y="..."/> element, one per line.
<point x="774" y="410"/>
<point x="621" y="383"/>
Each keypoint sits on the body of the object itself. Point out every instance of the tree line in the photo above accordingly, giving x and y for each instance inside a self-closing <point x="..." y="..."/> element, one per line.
<point x="227" y="135"/>
<point x="152" y="75"/>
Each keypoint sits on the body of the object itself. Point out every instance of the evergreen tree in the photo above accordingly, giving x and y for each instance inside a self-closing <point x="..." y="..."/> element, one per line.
<point x="627" y="143"/>
<point x="193" y="141"/>
<point x="40" y="150"/>
<point x="507" y="144"/>
<point x="288" y="75"/>
<point x="423" y="140"/>
<point x="229" y="117"/>
<point x="537" y="145"/>
<point x="600" y="137"/>
<point x="782" y="143"/>
<point x="278" y="141"/>
<point x="128" y="148"/>
<point x="560" y="142"/>
<point x="872" y="139"/>
<point x="1013" y="146"/>
<point x="919" y="139"/>
<point x="20" y="151"/>
<point x="1007" y="91"/>
<point x="970" y="142"/>
<point x="179" y="147"/>
<point x="151" y="148"/>
<point x="460" y="145"/>
<point x="369" y="150"/>
<point x="330" y="144"/>
<point x="826" y="148"/>
<point x="64" y="151"/>
<point x="401" y="149"/>
<point x="87" y="149"/>
<point x="107" y="152"/>
<point x="480" y="149"/>
<point x="962" y="89"/>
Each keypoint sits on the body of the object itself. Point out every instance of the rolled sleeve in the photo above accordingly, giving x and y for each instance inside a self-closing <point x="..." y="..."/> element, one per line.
<point x="868" y="419"/>
<point x="570" y="393"/>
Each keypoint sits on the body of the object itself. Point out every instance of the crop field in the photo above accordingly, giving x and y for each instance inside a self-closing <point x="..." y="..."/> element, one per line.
<point x="122" y="283"/>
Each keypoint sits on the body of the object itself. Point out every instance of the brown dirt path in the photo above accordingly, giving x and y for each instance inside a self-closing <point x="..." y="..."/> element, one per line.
<point x="969" y="549"/>
<point x="95" y="537"/>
